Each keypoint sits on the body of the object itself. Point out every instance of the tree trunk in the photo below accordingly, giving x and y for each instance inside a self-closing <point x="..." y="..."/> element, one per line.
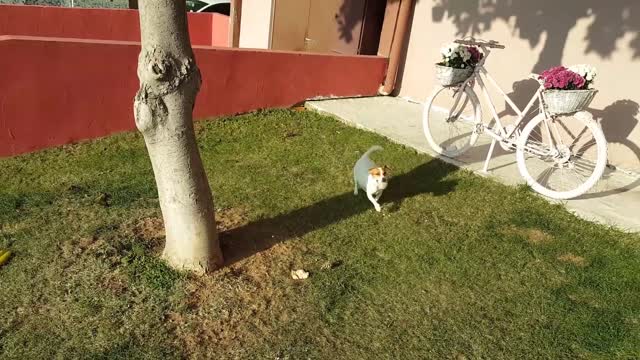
<point x="163" y="106"/>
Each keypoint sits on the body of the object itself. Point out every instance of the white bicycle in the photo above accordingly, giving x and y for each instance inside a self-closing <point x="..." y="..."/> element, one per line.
<point x="559" y="156"/>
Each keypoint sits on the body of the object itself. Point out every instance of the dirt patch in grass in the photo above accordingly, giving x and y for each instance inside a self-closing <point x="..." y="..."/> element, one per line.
<point x="532" y="236"/>
<point x="115" y="282"/>
<point x="221" y="314"/>
<point x="149" y="229"/>
<point x="231" y="218"/>
<point x="239" y="306"/>
<point x="76" y="247"/>
<point x="576" y="260"/>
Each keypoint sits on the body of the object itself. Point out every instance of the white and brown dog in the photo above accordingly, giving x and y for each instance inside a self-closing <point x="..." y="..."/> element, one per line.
<point x="370" y="177"/>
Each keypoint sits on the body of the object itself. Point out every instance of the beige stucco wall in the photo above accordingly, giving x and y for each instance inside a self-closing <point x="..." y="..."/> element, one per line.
<point x="539" y="34"/>
<point x="255" y="27"/>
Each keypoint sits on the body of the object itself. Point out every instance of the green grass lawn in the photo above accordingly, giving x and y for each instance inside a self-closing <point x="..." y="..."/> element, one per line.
<point x="456" y="266"/>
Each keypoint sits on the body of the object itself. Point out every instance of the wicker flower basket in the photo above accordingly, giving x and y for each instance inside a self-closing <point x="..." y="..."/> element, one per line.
<point x="567" y="101"/>
<point x="448" y="76"/>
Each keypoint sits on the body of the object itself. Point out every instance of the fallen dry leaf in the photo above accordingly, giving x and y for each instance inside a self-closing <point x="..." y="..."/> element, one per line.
<point x="299" y="274"/>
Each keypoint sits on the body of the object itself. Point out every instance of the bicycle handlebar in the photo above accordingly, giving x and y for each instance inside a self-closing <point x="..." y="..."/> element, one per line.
<point x="490" y="44"/>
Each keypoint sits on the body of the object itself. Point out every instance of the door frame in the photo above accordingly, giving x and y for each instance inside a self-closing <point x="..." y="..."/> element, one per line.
<point x="271" y="19"/>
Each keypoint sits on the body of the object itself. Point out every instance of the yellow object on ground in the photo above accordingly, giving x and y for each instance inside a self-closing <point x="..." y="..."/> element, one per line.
<point x="4" y="256"/>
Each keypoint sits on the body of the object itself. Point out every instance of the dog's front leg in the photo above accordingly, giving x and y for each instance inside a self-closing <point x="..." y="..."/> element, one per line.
<point x="378" y="195"/>
<point x="374" y="201"/>
<point x="355" y="185"/>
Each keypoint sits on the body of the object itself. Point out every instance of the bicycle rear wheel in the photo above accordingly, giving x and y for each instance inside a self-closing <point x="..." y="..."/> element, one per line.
<point x="450" y="120"/>
<point x="563" y="157"/>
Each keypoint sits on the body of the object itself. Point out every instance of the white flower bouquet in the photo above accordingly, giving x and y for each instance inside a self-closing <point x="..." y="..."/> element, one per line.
<point x="587" y="72"/>
<point x="457" y="64"/>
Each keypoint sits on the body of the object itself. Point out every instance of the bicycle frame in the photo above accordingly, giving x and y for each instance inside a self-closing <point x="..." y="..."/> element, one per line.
<point x="501" y="134"/>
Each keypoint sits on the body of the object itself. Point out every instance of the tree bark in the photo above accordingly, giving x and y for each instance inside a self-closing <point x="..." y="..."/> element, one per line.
<point x="163" y="106"/>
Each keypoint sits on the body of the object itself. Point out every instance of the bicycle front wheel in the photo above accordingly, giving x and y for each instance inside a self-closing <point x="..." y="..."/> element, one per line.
<point x="562" y="157"/>
<point x="450" y="120"/>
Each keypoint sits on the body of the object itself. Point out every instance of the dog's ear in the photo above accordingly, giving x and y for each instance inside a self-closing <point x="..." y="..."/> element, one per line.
<point x="374" y="171"/>
<point x="387" y="169"/>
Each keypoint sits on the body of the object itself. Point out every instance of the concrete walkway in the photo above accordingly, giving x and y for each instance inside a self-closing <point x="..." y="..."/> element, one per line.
<point x="615" y="200"/>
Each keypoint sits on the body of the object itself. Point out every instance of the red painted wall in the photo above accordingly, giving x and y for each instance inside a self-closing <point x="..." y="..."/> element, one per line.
<point x="219" y="30"/>
<point x="103" y="24"/>
<point x="58" y="91"/>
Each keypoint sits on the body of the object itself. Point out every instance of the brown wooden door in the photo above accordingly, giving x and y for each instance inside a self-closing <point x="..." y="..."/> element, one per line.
<point x="335" y="26"/>
<point x="328" y="26"/>
<point x="290" y="24"/>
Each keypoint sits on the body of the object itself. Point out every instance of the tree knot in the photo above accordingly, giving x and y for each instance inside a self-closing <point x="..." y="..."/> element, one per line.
<point x="161" y="73"/>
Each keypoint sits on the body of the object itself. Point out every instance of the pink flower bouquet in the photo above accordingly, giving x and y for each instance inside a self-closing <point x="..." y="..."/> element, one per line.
<point x="561" y="78"/>
<point x="567" y="90"/>
<point x="577" y="77"/>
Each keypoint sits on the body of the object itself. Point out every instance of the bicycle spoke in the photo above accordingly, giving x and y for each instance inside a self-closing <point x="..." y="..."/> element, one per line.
<point x="584" y="165"/>
<point x="583" y="171"/>
<point x="542" y="176"/>
<point x="570" y="164"/>
<point x="450" y="121"/>
<point x="583" y="149"/>
<point x="579" y="176"/>
<point x="558" y="137"/>
<point x="575" y="138"/>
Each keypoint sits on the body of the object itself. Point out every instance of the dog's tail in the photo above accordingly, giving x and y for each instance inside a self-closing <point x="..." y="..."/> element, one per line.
<point x="372" y="149"/>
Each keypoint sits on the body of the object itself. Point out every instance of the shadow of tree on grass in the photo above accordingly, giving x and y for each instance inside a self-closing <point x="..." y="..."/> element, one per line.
<point x="261" y="235"/>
